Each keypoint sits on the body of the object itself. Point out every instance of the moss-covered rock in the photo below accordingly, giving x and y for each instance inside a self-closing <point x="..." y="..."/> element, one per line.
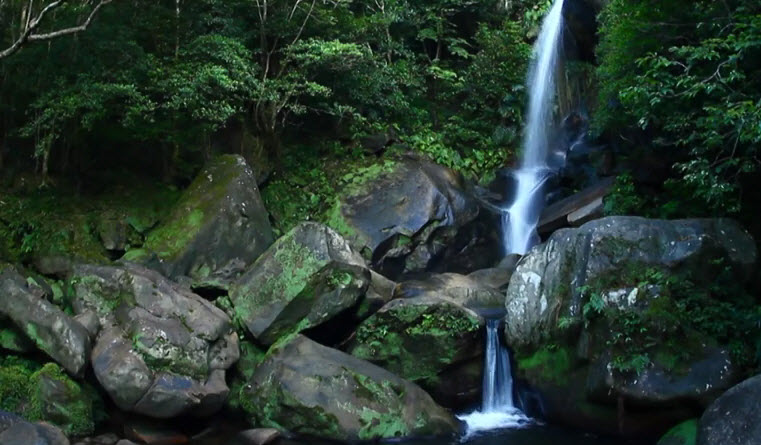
<point x="609" y="319"/>
<point x="406" y="216"/>
<point x="307" y="277"/>
<point x="218" y="227"/>
<point x="55" y="398"/>
<point x="419" y="339"/>
<point x="44" y="324"/>
<point x="163" y="350"/>
<point x="309" y="389"/>
<point x="46" y="394"/>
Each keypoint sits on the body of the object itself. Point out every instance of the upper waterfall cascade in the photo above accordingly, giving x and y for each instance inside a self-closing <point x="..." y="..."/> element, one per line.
<point x="520" y="219"/>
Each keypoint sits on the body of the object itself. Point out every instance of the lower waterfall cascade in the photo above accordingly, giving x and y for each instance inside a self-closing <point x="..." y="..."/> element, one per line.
<point x="497" y="409"/>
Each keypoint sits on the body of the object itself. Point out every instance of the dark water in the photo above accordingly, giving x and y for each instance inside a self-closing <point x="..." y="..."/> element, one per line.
<point x="531" y="435"/>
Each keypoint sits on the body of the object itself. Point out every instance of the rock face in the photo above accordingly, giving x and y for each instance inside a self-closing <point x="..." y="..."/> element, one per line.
<point x="734" y="418"/>
<point x="427" y="340"/>
<point x="546" y="283"/>
<point x="163" y="350"/>
<point x="465" y="290"/>
<point x="599" y="318"/>
<point x="218" y="227"/>
<point x="25" y="433"/>
<point x="309" y="389"/>
<point x="406" y="216"/>
<point x="307" y="277"/>
<point x="48" y="327"/>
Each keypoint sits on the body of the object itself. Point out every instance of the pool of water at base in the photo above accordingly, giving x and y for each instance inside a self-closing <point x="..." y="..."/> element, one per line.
<point x="528" y="435"/>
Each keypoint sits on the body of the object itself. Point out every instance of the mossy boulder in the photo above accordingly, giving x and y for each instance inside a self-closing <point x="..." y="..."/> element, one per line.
<point x="611" y="256"/>
<point x="163" y="350"/>
<point x="47" y="394"/>
<point x="42" y="323"/>
<point x="425" y="339"/>
<point x="734" y="418"/>
<point x="218" y="227"/>
<point x="605" y="320"/>
<point x="306" y="278"/>
<point x="406" y="216"/>
<point x="308" y="389"/>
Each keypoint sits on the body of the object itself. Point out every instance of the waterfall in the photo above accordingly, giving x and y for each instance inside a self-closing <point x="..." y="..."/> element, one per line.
<point x="497" y="409"/>
<point x="498" y="380"/>
<point x="519" y="220"/>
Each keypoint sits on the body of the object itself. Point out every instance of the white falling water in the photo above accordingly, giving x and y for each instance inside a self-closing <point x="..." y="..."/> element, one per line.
<point x="497" y="409"/>
<point x="519" y="223"/>
<point x="520" y="219"/>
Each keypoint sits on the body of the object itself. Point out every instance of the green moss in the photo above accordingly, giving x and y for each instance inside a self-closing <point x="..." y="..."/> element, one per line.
<point x="64" y="222"/>
<point x="170" y="240"/>
<point x="71" y="408"/>
<point x="335" y="220"/>
<point x="272" y="406"/>
<point x="46" y="393"/>
<point x="683" y="434"/>
<point x="416" y="341"/>
<point x="551" y="364"/>
<point x="14" y="381"/>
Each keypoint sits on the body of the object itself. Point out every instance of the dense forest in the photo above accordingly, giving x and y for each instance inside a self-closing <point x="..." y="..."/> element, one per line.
<point x="119" y="117"/>
<point x="155" y="89"/>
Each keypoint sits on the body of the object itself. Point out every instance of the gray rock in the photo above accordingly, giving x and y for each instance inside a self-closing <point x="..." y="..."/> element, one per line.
<point x="164" y="350"/>
<point x="545" y="284"/>
<point x="218" y="227"/>
<point x="307" y="388"/>
<point x="7" y="420"/>
<point x="465" y="290"/>
<point x="257" y="436"/>
<point x="48" y="327"/>
<point x="25" y="433"/>
<point x="406" y="215"/>
<point x="633" y="350"/>
<point x="307" y="277"/>
<point x="734" y="418"/>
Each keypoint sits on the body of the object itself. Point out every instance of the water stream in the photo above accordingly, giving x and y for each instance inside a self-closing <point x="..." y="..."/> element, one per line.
<point x="520" y="219"/>
<point x="497" y="409"/>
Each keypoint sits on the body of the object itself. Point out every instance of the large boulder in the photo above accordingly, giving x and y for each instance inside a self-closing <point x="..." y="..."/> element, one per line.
<point x="306" y="278"/>
<point x="613" y="255"/>
<point x="163" y="350"/>
<point x="734" y="418"/>
<point x="309" y="389"/>
<point x="43" y="323"/>
<point x="218" y="227"/>
<point x="408" y="216"/>
<point x="428" y="340"/>
<point x="609" y="319"/>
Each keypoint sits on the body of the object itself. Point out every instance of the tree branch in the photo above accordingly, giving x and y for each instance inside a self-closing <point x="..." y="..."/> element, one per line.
<point x="28" y="35"/>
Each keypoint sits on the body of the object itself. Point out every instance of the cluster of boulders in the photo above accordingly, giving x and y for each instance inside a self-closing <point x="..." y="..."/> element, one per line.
<point x="307" y="334"/>
<point x="370" y="327"/>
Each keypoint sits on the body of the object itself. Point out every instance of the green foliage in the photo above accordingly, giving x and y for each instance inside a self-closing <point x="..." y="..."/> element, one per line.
<point x="623" y="198"/>
<point x="61" y="222"/>
<point x="690" y="77"/>
<point x="689" y="307"/>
